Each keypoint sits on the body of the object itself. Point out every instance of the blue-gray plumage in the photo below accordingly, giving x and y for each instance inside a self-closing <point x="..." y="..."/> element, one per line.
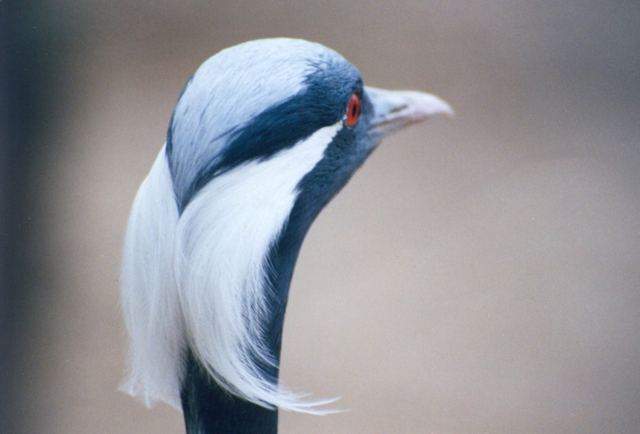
<point x="263" y="136"/>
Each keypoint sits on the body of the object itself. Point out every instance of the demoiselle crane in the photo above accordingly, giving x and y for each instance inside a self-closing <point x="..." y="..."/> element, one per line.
<point x="263" y="136"/>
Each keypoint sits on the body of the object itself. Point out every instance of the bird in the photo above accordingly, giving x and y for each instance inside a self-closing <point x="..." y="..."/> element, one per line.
<point x="263" y="136"/>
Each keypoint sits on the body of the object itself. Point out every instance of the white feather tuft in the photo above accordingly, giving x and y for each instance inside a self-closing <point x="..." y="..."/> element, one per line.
<point x="224" y="236"/>
<point x="149" y="291"/>
<point x="198" y="280"/>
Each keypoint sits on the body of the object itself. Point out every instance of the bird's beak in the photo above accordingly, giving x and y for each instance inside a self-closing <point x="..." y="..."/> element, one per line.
<point x="394" y="110"/>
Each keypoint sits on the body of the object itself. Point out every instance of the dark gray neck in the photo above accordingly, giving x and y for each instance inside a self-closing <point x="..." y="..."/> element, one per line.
<point x="208" y="409"/>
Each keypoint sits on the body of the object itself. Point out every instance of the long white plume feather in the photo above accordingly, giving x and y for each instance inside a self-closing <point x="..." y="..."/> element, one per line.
<point x="199" y="279"/>
<point x="149" y="291"/>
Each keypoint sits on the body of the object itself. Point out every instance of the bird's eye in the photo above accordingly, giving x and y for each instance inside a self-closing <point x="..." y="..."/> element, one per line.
<point x="353" y="112"/>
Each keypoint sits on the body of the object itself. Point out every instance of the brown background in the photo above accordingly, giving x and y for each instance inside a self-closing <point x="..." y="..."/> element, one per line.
<point x="476" y="276"/>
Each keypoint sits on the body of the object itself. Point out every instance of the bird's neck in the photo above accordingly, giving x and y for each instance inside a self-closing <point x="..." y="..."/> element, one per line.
<point x="209" y="409"/>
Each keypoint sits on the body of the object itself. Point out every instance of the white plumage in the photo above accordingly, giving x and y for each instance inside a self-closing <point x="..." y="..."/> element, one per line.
<point x="150" y="299"/>
<point x="200" y="279"/>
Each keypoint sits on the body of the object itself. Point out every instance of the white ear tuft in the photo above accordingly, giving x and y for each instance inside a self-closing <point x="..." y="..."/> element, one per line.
<point x="149" y="291"/>
<point x="223" y="240"/>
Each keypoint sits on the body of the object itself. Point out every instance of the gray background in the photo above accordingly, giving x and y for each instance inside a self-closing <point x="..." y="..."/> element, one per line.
<point x="476" y="276"/>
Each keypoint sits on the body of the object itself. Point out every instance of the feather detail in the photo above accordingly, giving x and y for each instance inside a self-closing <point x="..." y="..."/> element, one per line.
<point x="149" y="291"/>
<point x="224" y="236"/>
<point x="198" y="280"/>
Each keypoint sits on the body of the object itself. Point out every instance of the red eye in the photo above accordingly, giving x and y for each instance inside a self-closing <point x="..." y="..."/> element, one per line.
<point x="353" y="113"/>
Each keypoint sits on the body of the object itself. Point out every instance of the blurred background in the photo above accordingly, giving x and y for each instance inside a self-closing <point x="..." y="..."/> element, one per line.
<point x="476" y="276"/>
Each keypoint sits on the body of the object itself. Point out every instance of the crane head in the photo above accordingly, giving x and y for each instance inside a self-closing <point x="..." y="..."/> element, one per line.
<point x="262" y="137"/>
